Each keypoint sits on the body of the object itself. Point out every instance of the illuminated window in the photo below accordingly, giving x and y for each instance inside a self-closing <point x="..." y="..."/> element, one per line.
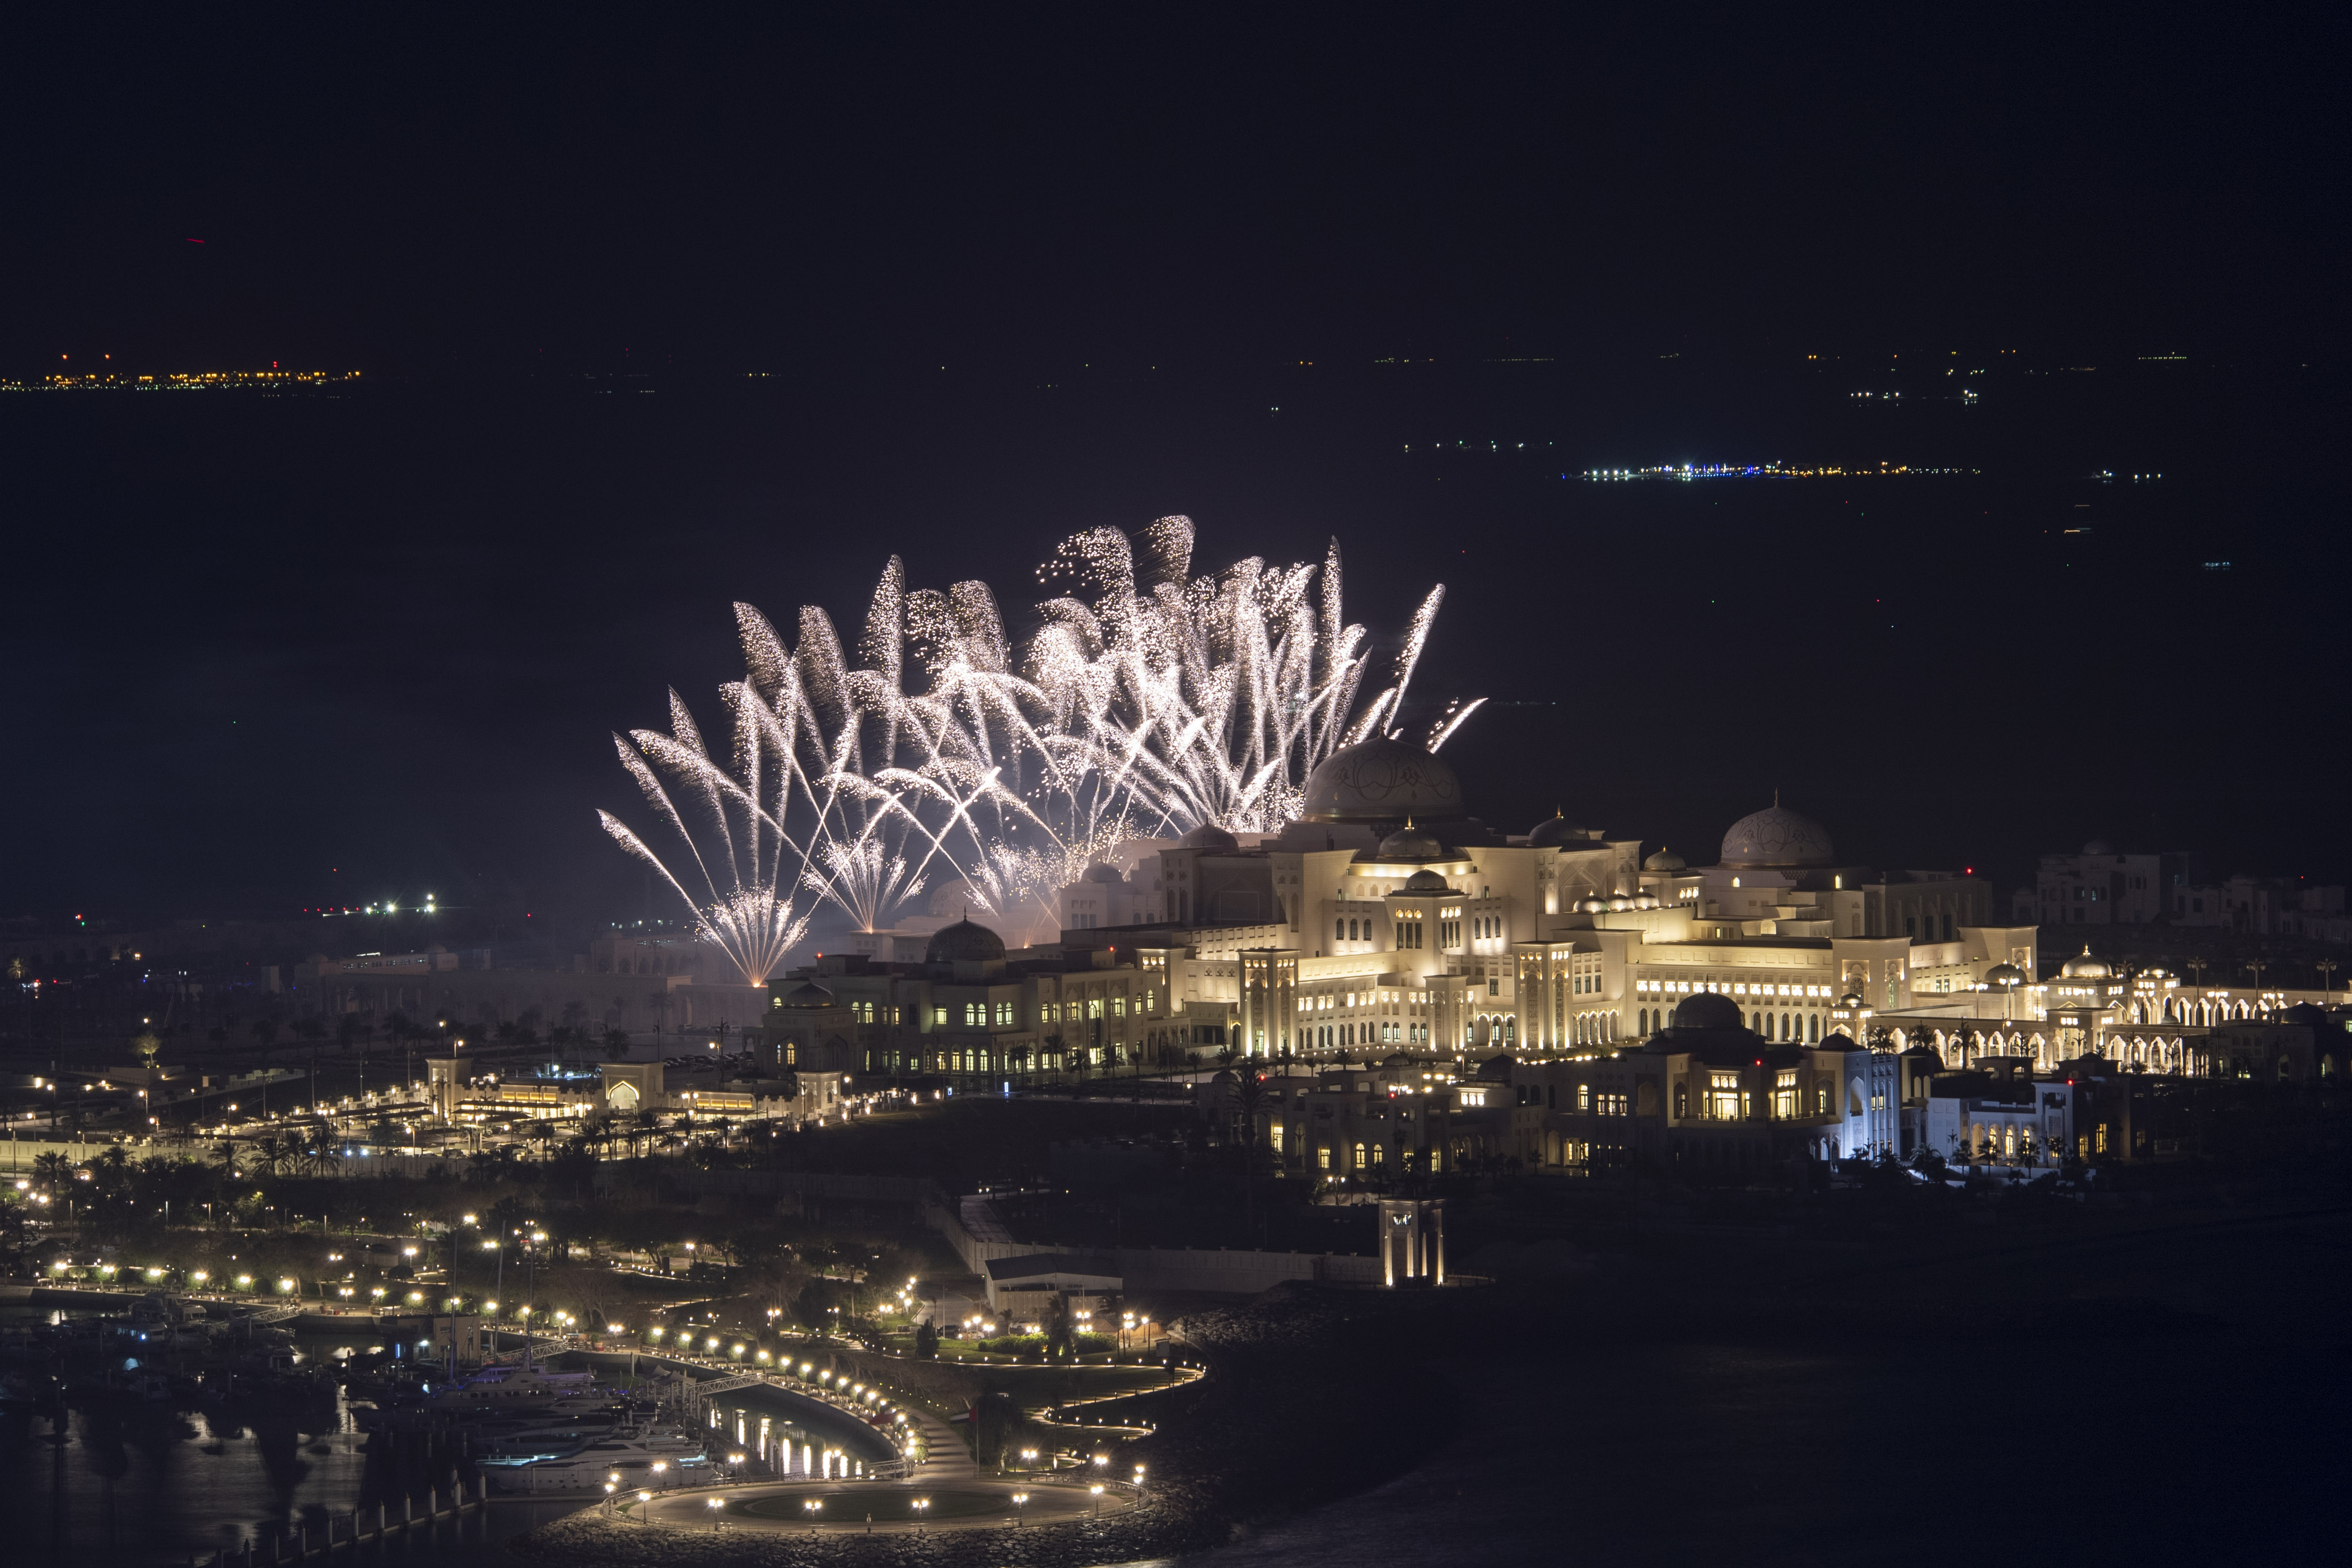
<point x="1323" y="1157"/>
<point x="1723" y="1096"/>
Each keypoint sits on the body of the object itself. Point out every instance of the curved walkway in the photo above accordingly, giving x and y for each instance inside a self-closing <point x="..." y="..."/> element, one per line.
<point x="877" y="1507"/>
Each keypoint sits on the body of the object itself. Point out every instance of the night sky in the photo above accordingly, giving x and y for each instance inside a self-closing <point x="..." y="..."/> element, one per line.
<point x="651" y="321"/>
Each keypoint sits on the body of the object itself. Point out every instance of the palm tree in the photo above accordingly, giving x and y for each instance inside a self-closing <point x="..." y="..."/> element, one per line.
<point x="616" y="1043"/>
<point x="51" y="1172"/>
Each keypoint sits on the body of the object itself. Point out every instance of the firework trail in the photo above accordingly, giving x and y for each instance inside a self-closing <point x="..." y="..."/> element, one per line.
<point x="1149" y="701"/>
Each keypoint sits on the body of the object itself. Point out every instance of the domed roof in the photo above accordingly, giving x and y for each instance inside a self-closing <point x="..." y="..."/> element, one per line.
<point x="808" y="993"/>
<point x="964" y="942"/>
<point x="1208" y="835"/>
<point x="1426" y="881"/>
<point x="2004" y="974"/>
<point x="1410" y="843"/>
<point x="1776" y="836"/>
<point x="2085" y="967"/>
<point x="2309" y="1014"/>
<point x="1556" y="829"/>
<point x="1708" y="1010"/>
<point x="1380" y="780"/>
<point x="1098" y="873"/>
<point x="2098" y="846"/>
<point x="1664" y="859"/>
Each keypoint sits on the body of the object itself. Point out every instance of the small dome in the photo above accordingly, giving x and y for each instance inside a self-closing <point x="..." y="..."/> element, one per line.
<point x="1708" y="1010"/>
<point x="1410" y="843"/>
<point x="2003" y="975"/>
<point x="1593" y="906"/>
<point x="1380" y="780"/>
<point x="1098" y="873"/>
<point x="808" y="993"/>
<point x="964" y="942"/>
<point x="1664" y="859"/>
<point x="1208" y="835"/>
<point x="1646" y="902"/>
<point x="1850" y="1001"/>
<point x="1621" y="903"/>
<point x="2098" y="846"/>
<point x="2085" y="967"/>
<point x="1426" y="881"/>
<point x="2309" y="1014"/>
<point x="1777" y="837"/>
<point x="1839" y="1042"/>
<point x="1556" y="829"/>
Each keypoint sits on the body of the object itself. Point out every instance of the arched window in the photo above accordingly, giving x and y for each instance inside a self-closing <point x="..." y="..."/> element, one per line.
<point x="1643" y="1020"/>
<point x="1340" y="931"/>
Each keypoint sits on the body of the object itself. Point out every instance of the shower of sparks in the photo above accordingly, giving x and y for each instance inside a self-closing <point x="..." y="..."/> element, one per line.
<point x="1148" y="703"/>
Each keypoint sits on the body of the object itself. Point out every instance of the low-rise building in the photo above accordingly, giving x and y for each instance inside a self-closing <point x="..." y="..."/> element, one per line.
<point x="973" y="1008"/>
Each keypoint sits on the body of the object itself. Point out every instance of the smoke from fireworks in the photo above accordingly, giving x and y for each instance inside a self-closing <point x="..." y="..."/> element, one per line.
<point x="1147" y="703"/>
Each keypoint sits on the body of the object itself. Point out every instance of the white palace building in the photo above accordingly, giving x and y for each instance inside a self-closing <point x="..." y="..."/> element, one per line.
<point x="1386" y="917"/>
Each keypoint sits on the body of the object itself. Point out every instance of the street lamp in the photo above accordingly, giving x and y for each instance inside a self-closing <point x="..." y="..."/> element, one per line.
<point x="644" y="1508"/>
<point x="1097" y="1490"/>
<point x="811" y="1508"/>
<point x="1020" y="1508"/>
<point x="921" y="1506"/>
<point x="713" y="1505"/>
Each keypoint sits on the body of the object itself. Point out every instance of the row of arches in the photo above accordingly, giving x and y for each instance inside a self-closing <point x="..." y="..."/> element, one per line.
<point x="1492" y="1029"/>
<point x="1787" y="1029"/>
<point x="2205" y="1010"/>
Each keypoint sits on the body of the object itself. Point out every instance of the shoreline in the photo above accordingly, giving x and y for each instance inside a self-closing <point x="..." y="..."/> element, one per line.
<point x="1218" y="1466"/>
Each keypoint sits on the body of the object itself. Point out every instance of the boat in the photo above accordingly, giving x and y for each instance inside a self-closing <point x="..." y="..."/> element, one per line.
<point x="589" y="1470"/>
<point x="512" y="1388"/>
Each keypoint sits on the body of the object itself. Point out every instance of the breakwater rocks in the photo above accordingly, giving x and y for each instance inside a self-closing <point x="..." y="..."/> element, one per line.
<point x="1311" y="1394"/>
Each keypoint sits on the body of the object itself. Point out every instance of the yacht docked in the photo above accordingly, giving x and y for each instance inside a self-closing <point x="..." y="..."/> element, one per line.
<point x="589" y="1470"/>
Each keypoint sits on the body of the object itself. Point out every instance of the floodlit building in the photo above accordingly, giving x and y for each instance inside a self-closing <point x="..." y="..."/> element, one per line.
<point x="1385" y="917"/>
<point x="973" y="1008"/>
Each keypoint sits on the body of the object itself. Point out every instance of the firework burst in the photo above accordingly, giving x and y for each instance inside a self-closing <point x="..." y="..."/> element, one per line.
<point x="1149" y="701"/>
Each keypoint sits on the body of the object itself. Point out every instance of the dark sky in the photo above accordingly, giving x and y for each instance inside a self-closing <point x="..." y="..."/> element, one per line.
<point x="1006" y="280"/>
<point x="897" y="182"/>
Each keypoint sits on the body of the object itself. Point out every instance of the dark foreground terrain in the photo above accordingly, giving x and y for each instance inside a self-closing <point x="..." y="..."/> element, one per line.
<point x="2155" y="1383"/>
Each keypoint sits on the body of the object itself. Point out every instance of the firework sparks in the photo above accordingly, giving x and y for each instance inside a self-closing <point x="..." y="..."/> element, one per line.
<point x="1150" y="701"/>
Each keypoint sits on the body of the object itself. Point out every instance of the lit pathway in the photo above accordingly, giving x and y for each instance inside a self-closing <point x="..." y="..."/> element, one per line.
<point x="876" y="1508"/>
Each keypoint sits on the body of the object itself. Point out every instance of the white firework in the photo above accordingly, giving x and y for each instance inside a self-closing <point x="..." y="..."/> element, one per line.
<point x="1147" y="703"/>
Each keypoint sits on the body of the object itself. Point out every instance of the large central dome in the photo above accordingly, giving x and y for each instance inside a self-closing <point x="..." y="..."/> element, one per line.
<point x="966" y="941"/>
<point x="1777" y="837"/>
<point x="1380" y="780"/>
